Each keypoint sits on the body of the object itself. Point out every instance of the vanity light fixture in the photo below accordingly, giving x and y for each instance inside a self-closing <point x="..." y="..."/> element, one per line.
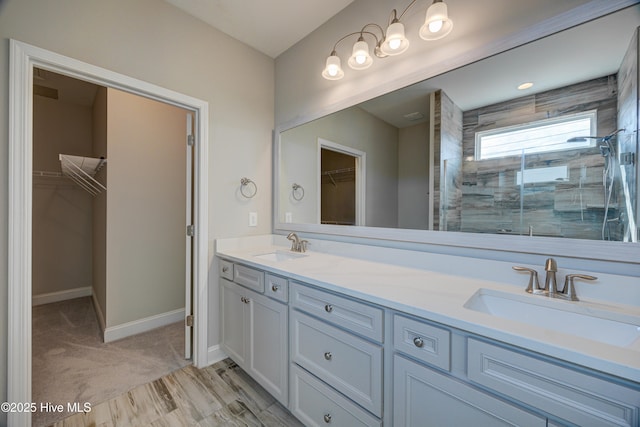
<point x="390" y="42"/>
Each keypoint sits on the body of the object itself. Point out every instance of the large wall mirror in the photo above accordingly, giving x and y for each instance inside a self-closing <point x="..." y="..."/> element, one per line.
<point x="471" y="154"/>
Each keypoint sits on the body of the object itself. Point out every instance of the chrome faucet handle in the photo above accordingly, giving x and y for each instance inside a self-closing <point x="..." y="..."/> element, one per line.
<point x="569" y="289"/>
<point x="534" y="285"/>
<point x="303" y="245"/>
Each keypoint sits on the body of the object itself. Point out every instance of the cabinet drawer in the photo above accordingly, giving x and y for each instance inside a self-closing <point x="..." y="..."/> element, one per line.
<point x="423" y="341"/>
<point x="225" y="269"/>
<point x="249" y="277"/>
<point x="424" y="397"/>
<point x="574" y="396"/>
<point x="351" y="365"/>
<point x="358" y="317"/>
<point x="276" y="287"/>
<point x="316" y="404"/>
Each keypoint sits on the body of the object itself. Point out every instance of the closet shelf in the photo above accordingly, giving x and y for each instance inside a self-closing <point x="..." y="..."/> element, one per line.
<point x="82" y="170"/>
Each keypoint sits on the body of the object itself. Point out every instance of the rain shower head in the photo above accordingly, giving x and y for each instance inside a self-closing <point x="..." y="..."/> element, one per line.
<point x="600" y="138"/>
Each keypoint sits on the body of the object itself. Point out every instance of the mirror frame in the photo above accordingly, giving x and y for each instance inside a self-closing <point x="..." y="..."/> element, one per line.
<point x="620" y="252"/>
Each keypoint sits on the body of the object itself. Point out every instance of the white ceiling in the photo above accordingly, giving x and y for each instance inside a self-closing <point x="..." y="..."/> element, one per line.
<point x="270" y="27"/>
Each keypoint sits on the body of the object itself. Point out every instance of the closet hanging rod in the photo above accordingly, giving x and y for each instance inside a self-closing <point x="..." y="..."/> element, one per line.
<point x="82" y="170"/>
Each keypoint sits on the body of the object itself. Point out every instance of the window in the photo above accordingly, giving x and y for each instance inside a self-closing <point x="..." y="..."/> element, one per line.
<point x="537" y="137"/>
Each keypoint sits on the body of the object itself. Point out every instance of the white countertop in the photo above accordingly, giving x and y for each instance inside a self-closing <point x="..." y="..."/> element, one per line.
<point x="440" y="297"/>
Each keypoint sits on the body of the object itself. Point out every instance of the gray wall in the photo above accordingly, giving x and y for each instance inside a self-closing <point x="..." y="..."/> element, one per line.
<point x="353" y="128"/>
<point x="61" y="210"/>
<point x="155" y="42"/>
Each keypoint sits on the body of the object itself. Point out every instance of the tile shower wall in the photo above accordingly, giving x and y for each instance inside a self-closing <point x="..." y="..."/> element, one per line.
<point x="492" y="202"/>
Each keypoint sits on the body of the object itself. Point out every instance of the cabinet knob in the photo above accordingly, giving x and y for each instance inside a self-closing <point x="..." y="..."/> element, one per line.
<point x="328" y="355"/>
<point x="328" y="308"/>
<point x="275" y="288"/>
<point x="327" y="418"/>
<point x="225" y="269"/>
<point x="418" y="342"/>
<point x="244" y="300"/>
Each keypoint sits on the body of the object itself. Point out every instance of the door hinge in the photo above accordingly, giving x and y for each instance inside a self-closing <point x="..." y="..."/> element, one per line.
<point x="189" y="320"/>
<point x="191" y="230"/>
<point x="191" y="140"/>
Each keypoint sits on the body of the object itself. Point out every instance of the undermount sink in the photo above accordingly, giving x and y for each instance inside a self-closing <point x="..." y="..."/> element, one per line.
<point x="600" y="323"/>
<point x="279" y="256"/>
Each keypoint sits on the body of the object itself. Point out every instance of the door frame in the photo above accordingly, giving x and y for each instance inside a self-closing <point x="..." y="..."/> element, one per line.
<point x="361" y="177"/>
<point x="23" y="58"/>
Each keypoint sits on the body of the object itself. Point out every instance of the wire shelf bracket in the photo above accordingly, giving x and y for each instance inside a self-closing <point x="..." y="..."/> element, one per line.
<point x="82" y="170"/>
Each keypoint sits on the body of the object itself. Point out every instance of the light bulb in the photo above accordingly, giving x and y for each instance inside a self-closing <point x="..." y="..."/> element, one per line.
<point x="435" y="26"/>
<point x="360" y="58"/>
<point x="395" y="42"/>
<point x="437" y="23"/>
<point x="333" y="68"/>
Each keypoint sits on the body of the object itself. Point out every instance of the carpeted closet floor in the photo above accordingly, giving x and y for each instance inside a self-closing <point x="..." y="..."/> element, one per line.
<point x="71" y="363"/>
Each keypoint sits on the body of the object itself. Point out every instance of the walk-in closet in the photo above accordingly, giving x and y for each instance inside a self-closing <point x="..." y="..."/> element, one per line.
<point x="110" y="260"/>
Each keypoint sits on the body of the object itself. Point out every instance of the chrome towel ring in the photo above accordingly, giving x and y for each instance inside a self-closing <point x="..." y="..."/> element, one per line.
<point x="297" y="192"/>
<point x="245" y="183"/>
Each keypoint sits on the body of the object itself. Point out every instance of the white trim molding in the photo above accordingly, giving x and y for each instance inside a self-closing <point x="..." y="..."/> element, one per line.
<point x="23" y="58"/>
<point x="128" y="329"/>
<point x="67" y="294"/>
<point x="215" y="354"/>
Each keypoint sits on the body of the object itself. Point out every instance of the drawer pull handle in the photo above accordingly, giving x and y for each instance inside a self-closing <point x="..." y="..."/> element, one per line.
<point x="275" y="288"/>
<point x="418" y="342"/>
<point x="328" y="308"/>
<point x="244" y="300"/>
<point x="328" y="355"/>
<point x="327" y="418"/>
<point x="225" y="269"/>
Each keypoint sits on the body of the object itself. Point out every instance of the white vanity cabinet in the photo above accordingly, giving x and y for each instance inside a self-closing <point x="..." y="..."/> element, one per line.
<point x="493" y="383"/>
<point x="336" y="359"/>
<point x="254" y="329"/>
<point x="577" y="396"/>
<point x="423" y="396"/>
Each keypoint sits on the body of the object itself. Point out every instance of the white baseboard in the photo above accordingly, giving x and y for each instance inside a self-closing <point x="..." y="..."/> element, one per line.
<point x="215" y="354"/>
<point x="99" y="314"/>
<point x="128" y="329"/>
<point x="61" y="295"/>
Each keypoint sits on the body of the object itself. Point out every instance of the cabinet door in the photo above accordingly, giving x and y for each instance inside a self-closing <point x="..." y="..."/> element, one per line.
<point x="268" y="345"/>
<point x="424" y="397"/>
<point x="233" y="338"/>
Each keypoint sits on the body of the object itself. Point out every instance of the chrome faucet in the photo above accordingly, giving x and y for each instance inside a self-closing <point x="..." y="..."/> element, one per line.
<point x="297" y="245"/>
<point x="550" y="283"/>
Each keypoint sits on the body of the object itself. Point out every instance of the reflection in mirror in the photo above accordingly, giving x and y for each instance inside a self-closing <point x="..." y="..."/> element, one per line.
<point x="460" y="152"/>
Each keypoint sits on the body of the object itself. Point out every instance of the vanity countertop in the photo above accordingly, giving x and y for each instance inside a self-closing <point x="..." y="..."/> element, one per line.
<point x="441" y="298"/>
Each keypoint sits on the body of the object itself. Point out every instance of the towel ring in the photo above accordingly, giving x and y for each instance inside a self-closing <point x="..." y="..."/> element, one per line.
<point x="294" y="193"/>
<point x="244" y="182"/>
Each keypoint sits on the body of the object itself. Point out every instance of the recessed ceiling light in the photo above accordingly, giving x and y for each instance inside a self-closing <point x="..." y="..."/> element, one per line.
<point x="524" y="86"/>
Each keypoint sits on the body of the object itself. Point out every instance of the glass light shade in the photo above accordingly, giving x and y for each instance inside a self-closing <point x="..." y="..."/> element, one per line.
<point x="395" y="42"/>
<point x="333" y="68"/>
<point x="360" y="58"/>
<point x="437" y="23"/>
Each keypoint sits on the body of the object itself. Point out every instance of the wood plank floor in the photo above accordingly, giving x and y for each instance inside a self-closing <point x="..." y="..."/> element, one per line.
<point x="218" y="395"/>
